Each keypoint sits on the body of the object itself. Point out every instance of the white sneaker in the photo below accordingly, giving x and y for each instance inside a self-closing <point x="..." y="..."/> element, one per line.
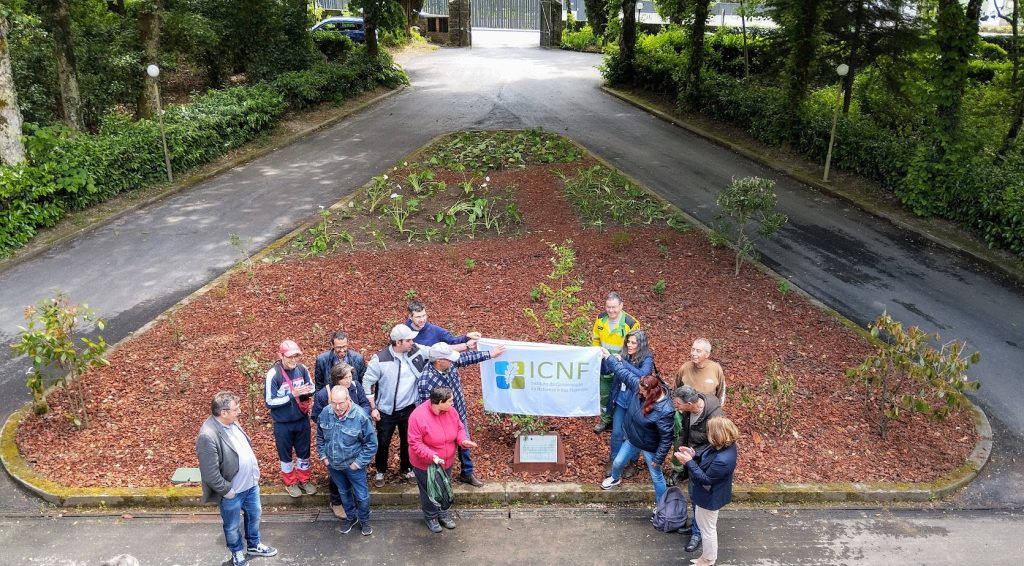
<point x="410" y="475"/>
<point x="610" y="482"/>
<point x="378" y="480"/>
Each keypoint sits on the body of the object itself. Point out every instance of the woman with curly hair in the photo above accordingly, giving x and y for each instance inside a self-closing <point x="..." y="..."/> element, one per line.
<point x="647" y="426"/>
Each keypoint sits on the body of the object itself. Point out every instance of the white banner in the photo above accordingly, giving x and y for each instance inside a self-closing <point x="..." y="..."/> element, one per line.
<point x="532" y="378"/>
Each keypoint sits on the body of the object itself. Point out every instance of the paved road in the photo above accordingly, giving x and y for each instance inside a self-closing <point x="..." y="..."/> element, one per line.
<point x="531" y="536"/>
<point x="135" y="267"/>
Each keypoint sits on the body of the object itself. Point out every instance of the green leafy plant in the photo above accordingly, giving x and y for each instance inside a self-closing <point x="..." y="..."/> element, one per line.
<point x="410" y="294"/>
<point x="776" y="408"/>
<point x="50" y="340"/>
<point x="321" y="238"/>
<point x="602" y="196"/>
<point x="907" y="374"/>
<point x="784" y="286"/>
<point x="566" y="318"/>
<point x="528" y="424"/>
<point x="253" y="367"/>
<point x="348" y="238"/>
<point x="183" y="376"/>
<point x="744" y="203"/>
<point x="470" y="264"/>
<point x="659" y="289"/>
<point x="244" y="260"/>
<point x="620" y="240"/>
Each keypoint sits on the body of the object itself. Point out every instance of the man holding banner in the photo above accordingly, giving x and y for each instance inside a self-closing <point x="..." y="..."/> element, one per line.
<point x="609" y="332"/>
<point x="443" y="371"/>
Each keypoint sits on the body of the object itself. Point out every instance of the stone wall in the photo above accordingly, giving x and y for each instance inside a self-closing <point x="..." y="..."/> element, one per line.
<point x="460" y="27"/>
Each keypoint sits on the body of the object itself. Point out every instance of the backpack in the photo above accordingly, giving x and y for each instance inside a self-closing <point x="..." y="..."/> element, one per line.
<point x="671" y="513"/>
<point x="439" y="487"/>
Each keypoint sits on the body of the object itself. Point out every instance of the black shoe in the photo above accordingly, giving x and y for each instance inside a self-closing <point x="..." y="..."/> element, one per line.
<point x="433" y="525"/>
<point x="694" y="543"/>
<point x="347" y="524"/>
<point x="686" y="529"/>
<point x="471" y="480"/>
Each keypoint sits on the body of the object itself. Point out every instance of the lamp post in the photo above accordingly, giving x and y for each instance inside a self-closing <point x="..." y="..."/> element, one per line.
<point x="841" y="70"/>
<point x="154" y="72"/>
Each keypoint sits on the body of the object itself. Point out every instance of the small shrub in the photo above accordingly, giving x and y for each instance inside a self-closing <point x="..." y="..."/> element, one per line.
<point x="748" y="201"/>
<point x="566" y="318"/>
<point x="907" y="374"/>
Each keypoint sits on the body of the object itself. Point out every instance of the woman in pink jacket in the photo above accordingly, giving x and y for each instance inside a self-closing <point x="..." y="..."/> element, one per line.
<point x="435" y="431"/>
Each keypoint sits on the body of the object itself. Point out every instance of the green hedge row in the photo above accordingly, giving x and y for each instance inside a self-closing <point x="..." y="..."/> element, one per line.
<point x="68" y="171"/>
<point x="974" y="190"/>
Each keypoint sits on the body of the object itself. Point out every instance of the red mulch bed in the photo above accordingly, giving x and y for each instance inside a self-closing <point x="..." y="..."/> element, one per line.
<point x="148" y="405"/>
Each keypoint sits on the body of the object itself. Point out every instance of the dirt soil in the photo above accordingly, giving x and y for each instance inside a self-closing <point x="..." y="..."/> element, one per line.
<point x="147" y="406"/>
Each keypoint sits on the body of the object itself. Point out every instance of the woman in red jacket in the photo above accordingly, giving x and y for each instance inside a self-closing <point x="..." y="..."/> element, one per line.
<point x="435" y="430"/>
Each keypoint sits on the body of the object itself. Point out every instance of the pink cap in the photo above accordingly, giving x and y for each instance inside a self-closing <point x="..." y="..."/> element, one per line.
<point x="289" y="348"/>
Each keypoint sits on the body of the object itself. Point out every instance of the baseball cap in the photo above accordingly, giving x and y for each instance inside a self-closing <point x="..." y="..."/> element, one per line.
<point x="402" y="332"/>
<point x="442" y="351"/>
<point x="289" y="348"/>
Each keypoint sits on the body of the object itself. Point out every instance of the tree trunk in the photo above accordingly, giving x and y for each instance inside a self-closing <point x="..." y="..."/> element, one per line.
<point x="11" y="149"/>
<point x="1015" y="126"/>
<point x="746" y="54"/>
<point x="57" y="17"/>
<point x="148" y="24"/>
<point x="627" y="45"/>
<point x="700" y="19"/>
<point x="372" y="45"/>
<point x="596" y="17"/>
<point x="116" y="6"/>
<point x="956" y="33"/>
<point x="802" y="52"/>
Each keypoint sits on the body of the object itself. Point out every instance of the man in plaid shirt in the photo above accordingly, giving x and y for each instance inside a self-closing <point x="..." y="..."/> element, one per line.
<point x="443" y="371"/>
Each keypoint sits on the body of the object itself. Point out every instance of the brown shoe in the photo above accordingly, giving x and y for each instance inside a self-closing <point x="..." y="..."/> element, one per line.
<point x="471" y="480"/>
<point x="339" y="511"/>
<point x="308" y="488"/>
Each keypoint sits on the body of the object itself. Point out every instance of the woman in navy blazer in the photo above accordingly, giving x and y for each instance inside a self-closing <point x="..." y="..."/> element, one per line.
<point x="711" y="481"/>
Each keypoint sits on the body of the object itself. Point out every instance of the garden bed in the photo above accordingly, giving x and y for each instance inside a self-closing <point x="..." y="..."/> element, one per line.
<point x="357" y="270"/>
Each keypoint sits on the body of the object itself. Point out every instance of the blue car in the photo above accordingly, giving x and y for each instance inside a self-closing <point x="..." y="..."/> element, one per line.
<point x="353" y="27"/>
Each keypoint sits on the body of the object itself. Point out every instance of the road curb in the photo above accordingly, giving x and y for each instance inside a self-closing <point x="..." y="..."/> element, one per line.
<point x="193" y="180"/>
<point x="495" y="493"/>
<point x="975" y="249"/>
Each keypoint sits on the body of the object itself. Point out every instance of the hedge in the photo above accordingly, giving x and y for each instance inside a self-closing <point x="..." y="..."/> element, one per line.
<point x="70" y="171"/>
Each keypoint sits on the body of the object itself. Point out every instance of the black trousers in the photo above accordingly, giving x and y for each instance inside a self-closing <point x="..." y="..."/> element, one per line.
<point x="385" y="431"/>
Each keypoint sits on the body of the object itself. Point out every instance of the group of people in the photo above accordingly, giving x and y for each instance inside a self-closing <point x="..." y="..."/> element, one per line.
<point x="652" y="416"/>
<point x="412" y="386"/>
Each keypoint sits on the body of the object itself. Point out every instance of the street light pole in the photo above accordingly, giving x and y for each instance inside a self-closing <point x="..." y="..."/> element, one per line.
<point x="154" y="71"/>
<point x="841" y="70"/>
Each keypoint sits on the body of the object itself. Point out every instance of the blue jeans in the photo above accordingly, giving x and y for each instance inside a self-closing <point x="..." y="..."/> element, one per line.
<point x="628" y="453"/>
<point x="618" y="430"/>
<point x="465" y="459"/>
<point x="242" y="508"/>
<point x="354" y="491"/>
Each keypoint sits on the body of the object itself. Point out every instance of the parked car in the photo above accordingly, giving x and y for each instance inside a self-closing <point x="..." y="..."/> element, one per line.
<point x="351" y="26"/>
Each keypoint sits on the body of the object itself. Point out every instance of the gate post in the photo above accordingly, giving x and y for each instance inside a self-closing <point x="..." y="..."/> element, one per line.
<point x="460" y="26"/>
<point x="550" y="23"/>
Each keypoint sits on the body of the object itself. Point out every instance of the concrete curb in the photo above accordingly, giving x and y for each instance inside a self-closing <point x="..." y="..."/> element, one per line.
<point x="947" y="239"/>
<point x="193" y="180"/>
<point x="494" y="493"/>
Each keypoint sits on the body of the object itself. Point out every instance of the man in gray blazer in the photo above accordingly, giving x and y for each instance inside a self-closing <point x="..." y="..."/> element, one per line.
<point x="231" y="477"/>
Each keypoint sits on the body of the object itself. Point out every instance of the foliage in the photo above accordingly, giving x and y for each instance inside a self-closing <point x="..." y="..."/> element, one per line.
<point x="70" y="171"/>
<point x="567" y="319"/>
<point x="773" y="406"/>
<point x="482" y="151"/>
<point x="907" y="374"/>
<point x="528" y="424"/>
<point x="582" y="40"/>
<point x="333" y="46"/>
<point x="253" y="366"/>
<point x="49" y="340"/>
<point x="602" y="195"/>
<point x="747" y="201"/>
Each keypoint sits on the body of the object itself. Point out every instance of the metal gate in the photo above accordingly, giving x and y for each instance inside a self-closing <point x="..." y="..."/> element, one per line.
<point x="497" y="14"/>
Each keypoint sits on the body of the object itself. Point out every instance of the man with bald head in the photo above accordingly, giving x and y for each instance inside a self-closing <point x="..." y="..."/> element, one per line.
<point x="346" y="441"/>
<point x="701" y="373"/>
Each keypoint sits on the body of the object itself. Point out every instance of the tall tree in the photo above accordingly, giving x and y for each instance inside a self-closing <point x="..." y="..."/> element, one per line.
<point x="596" y="16"/>
<point x="148" y="20"/>
<point x="627" y="41"/>
<point x="956" y="36"/>
<point x="800" y="21"/>
<point x="693" y="68"/>
<point x="11" y="149"/>
<point x="379" y="14"/>
<point x="1014" y="20"/>
<point x="57" y="20"/>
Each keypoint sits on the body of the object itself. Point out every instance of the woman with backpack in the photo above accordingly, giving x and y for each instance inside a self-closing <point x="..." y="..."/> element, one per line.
<point x="647" y="426"/>
<point x="711" y="481"/>
<point x="639" y="361"/>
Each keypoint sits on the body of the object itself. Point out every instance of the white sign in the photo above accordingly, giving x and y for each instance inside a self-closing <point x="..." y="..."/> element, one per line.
<point x="538" y="448"/>
<point x="532" y="378"/>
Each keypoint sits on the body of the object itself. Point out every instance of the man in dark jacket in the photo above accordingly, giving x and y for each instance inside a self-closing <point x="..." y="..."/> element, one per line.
<point x="693" y="410"/>
<point x="288" y="393"/>
<point x="339" y="352"/>
<point x="230" y="475"/>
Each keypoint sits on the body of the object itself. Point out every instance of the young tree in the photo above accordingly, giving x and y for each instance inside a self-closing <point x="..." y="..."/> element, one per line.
<point x="150" y="13"/>
<point x="11" y="149"/>
<point x="57" y="20"/>
<point x="745" y="203"/>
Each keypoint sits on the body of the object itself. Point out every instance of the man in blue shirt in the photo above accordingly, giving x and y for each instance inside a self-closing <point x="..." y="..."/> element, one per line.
<point x="430" y="334"/>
